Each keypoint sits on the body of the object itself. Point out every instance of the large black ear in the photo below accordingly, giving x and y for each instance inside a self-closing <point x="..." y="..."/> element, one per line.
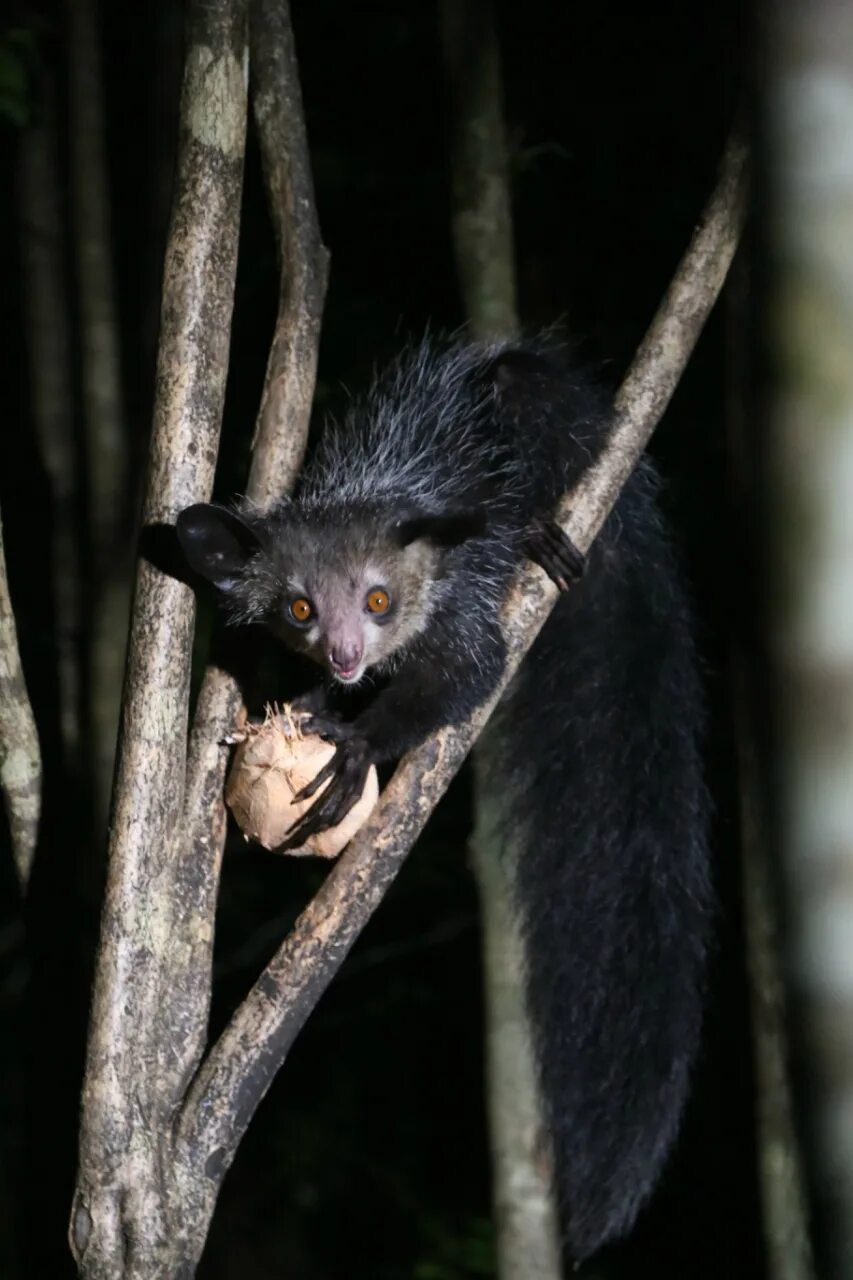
<point x="217" y="543"/>
<point x="520" y="377"/>
<point x="447" y="530"/>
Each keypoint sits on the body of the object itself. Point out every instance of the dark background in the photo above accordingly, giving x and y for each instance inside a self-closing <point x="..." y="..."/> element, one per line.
<point x="368" y="1159"/>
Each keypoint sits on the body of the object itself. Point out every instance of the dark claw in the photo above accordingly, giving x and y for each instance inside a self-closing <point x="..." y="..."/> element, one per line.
<point x="348" y="770"/>
<point x="316" y="783"/>
<point x="554" y="551"/>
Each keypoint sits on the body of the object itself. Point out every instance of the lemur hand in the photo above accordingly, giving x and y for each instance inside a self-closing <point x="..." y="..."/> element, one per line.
<point x="347" y="770"/>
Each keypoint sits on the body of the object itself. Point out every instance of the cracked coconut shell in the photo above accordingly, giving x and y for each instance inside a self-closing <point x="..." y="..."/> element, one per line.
<point x="272" y="763"/>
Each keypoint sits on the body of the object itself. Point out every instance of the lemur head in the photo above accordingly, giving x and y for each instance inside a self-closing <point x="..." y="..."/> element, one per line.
<point x="347" y="591"/>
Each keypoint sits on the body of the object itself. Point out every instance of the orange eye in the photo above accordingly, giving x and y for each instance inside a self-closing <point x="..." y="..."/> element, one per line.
<point x="378" y="601"/>
<point x="301" y="609"/>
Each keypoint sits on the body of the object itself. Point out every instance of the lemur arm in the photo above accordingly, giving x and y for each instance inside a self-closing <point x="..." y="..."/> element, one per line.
<point x="429" y="691"/>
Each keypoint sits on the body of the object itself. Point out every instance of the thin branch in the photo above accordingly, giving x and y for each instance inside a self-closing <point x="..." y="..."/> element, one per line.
<point x="20" y="757"/>
<point x="240" y="1067"/>
<point x="780" y="1162"/>
<point x="282" y="427"/>
<point x="153" y="987"/>
<point x="482" y="214"/>
<point x="279" y="443"/>
<point x="527" y="1236"/>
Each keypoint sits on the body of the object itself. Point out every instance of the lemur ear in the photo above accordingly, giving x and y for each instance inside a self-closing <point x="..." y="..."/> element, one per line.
<point x="514" y="366"/>
<point x="217" y="543"/>
<point x="447" y="530"/>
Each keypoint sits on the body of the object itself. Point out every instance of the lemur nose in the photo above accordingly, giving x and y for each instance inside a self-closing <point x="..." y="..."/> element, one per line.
<point x="345" y="657"/>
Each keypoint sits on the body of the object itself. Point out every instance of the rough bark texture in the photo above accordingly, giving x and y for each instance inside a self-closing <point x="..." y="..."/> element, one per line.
<point x="127" y="1213"/>
<point x="809" y="540"/>
<point x="143" y="1182"/>
<point x="525" y="1212"/>
<point x="279" y="442"/>
<point x="20" y="757"/>
<point x="239" y="1068"/>
<point x="282" y="427"/>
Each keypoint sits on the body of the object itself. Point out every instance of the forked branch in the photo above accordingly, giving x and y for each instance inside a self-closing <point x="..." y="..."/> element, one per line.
<point x="142" y="1207"/>
<point x="240" y="1067"/>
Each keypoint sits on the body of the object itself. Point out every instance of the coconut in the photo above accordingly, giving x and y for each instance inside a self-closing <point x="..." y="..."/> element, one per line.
<point x="273" y="762"/>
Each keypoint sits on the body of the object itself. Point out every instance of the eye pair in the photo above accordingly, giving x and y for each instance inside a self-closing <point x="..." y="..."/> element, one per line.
<point x="302" y="610"/>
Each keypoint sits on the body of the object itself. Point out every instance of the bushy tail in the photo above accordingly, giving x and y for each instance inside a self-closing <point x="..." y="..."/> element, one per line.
<point x="610" y="816"/>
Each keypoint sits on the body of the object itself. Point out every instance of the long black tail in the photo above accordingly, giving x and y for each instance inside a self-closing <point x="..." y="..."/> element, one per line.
<point x="611" y="818"/>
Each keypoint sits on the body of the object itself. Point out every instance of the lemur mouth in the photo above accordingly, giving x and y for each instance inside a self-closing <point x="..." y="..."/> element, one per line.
<point x="348" y="675"/>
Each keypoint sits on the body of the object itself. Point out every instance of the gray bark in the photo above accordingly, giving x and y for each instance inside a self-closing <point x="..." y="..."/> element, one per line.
<point x="130" y="1215"/>
<point x="281" y="432"/>
<point x="138" y="1178"/>
<point x="20" y="756"/>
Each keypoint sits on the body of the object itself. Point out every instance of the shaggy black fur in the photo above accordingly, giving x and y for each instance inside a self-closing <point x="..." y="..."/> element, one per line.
<point x="606" y="799"/>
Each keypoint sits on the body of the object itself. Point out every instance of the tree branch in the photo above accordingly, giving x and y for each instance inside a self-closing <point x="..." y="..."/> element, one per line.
<point x="282" y="427"/>
<point x="134" y="1076"/>
<point x="527" y="1237"/>
<point x="20" y="757"/>
<point x="152" y="993"/>
<point x="482" y="211"/>
<point x="279" y="443"/>
<point x="240" y="1067"/>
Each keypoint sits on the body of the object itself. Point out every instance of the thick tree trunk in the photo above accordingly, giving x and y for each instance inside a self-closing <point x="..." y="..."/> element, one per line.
<point x="132" y="1214"/>
<point x="141" y="1181"/>
<point x="810" y="541"/>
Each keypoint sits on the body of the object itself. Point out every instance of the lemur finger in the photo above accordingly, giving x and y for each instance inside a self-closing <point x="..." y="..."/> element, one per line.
<point x="337" y="800"/>
<point x="553" y="550"/>
<point x="327" y="812"/>
<point x="309" y="824"/>
<point x="296" y="840"/>
<point x="311" y="788"/>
